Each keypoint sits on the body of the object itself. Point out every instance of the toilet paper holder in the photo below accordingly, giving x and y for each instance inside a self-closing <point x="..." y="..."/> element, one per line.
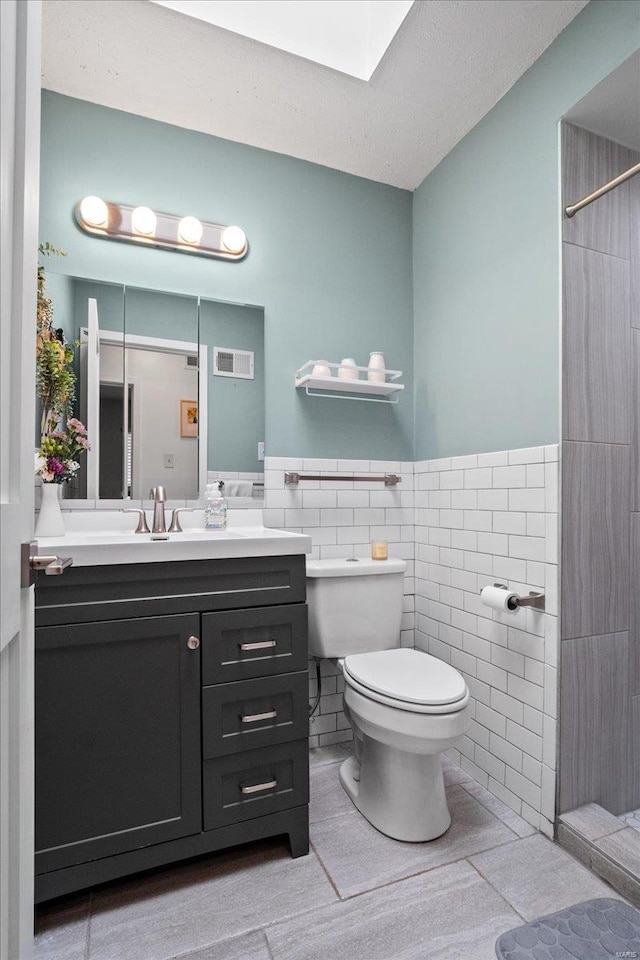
<point x="535" y="600"/>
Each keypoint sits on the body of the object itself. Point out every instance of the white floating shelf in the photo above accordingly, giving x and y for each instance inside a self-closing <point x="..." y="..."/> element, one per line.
<point x="361" y="389"/>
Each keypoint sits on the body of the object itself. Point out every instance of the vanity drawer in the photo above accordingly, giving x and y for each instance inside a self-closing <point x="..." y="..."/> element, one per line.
<point x="156" y="589"/>
<point x="254" y="713"/>
<point x="255" y="783"/>
<point x="258" y="642"/>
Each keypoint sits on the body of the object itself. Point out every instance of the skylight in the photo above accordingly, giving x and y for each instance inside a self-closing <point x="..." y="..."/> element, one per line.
<point x="351" y="36"/>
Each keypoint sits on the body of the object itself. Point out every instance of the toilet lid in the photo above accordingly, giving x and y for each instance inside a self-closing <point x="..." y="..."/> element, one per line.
<point x="407" y="675"/>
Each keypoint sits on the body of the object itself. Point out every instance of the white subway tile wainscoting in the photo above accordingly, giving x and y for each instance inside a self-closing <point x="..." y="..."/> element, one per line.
<point x="461" y="523"/>
<point x="342" y="517"/>
<point x="484" y="520"/>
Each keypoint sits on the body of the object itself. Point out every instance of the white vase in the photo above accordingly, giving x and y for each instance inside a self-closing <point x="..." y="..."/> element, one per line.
<point x="348" y="370"/>
<point x="50" y="522"/>
<point x="376" y="371"/>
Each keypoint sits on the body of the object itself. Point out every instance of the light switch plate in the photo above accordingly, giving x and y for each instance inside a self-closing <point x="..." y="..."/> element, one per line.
<point x="261" y="450"/>
<point x="169" y="461"/>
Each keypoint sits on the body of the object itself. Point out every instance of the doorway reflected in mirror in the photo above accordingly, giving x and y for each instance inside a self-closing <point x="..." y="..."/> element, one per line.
<point x="171" y="386"/>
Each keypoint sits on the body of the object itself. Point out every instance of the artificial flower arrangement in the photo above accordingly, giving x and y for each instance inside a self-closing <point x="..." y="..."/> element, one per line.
<point x="55" y="384"/>
<point x="55" y="377"/>
<point x="56" y="459"/>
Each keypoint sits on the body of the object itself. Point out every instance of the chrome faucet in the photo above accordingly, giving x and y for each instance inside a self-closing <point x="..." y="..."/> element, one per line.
<point x="142" y="520"/>
<point x="159" y="497"/>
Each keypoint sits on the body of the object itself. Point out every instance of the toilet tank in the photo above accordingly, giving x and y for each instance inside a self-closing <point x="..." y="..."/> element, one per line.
<point x="355" y="606"/>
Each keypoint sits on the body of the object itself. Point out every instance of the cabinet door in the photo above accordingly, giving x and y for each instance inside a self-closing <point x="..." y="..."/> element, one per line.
<point x="117" y="737"/>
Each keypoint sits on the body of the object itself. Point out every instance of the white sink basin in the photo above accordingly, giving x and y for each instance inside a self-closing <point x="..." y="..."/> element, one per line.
<point x="117" y="544"/>
<point x="125" y="536"/>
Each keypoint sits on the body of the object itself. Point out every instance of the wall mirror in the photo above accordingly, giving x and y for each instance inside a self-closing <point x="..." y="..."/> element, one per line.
<point x="170" y="387"/>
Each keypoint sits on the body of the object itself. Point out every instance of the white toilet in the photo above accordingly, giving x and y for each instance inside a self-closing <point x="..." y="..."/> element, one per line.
<point x="405" y="707"/>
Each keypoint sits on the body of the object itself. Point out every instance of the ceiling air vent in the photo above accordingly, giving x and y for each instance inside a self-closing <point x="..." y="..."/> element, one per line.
<point x="233" y="363"/>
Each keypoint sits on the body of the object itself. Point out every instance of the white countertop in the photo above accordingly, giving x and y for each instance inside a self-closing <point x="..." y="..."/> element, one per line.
<point x="101" y="537"/>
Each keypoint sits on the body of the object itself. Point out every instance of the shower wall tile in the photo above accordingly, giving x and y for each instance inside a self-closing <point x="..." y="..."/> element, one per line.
<point x="634" y="752"/>
<point x="596" y="362"/>
<point x="589" y="161"/>
<point x="635" y="418"/>
<point x="599" y="757"/>
<point x="594" y="723"/>
<point x="595" y="539"/>
<point x="634" y="634"/>
<point x="634" y="193"/>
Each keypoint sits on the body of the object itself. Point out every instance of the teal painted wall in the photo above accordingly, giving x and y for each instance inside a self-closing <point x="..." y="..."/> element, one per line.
<point x="486" y="254"/>
<point x="330" y="257"/>
<point x="149" y="313"/>
<point x="109" y="298"/>
<point x="236" y="407"/>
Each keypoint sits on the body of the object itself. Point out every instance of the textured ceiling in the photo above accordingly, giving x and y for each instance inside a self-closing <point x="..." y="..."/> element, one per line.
<point x="449" y="63"/>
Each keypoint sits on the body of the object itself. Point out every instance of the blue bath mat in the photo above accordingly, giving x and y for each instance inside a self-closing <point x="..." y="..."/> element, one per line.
<point x="593" y="930"/>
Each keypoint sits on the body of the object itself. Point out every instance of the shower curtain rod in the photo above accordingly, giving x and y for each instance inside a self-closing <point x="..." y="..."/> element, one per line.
<point x="600" y="192"/>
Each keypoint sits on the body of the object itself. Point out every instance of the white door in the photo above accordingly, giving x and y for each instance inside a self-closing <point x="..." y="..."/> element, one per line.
<point x="20" y="58"/>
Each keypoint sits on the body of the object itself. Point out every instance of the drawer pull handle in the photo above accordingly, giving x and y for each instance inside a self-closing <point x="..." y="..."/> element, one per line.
<point x="257" y="787"/>
<point x="254" y="717"/>
<point x="193" y="643"/>
<point x="258" y="645"/>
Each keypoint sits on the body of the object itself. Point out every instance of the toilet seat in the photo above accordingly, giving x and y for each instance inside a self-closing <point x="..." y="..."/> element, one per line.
<point x="407" y="680"/>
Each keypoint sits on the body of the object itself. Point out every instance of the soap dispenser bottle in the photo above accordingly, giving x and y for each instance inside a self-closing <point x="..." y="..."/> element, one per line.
<point x="215" y="507"/>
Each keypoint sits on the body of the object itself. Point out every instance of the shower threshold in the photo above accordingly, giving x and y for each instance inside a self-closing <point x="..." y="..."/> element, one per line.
<point x="608" y="845"/>
<point x="631" y="819"/>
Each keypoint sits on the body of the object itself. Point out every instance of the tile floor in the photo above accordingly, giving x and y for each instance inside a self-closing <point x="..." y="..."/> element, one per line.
<point x="357" y="896"/>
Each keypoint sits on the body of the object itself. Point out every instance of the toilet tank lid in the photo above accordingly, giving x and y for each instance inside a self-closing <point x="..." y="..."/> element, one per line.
<point x="361" y="567"/>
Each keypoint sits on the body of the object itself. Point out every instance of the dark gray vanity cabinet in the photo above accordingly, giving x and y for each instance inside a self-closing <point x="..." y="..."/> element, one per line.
<point x="171" y="721"/>
<point x="118" y="737"/>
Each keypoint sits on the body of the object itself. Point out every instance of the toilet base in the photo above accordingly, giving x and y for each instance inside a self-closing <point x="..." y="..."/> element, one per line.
<point x="401" y="794"/>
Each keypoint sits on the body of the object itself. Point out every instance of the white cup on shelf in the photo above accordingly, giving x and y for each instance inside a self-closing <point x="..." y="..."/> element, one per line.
<point x="348" y="369"/>
<point x="376" y="371"/>
<point x="321" y="369"/>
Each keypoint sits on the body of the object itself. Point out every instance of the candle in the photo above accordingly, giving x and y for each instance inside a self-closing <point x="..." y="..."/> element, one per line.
<point x="379" y="549"/>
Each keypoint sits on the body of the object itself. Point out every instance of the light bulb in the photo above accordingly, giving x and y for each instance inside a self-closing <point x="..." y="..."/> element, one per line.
<point x="234" y="239"/>
<point x="190" y="230"/>
<point x="144" y="220"/>
<point x="94" y="212"/>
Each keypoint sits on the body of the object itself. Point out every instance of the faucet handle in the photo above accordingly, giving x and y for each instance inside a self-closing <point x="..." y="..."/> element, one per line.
<point x="175" y="519"/>
<point x="143" y="526"/>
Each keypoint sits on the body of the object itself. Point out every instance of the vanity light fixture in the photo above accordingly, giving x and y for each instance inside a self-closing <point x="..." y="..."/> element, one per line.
<point x="141" y="225"/>
<point x="144" y="221"/>
<point x="190" y="230"/>
<point x="94" y="212"/>
<point x="234" y="239"/>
